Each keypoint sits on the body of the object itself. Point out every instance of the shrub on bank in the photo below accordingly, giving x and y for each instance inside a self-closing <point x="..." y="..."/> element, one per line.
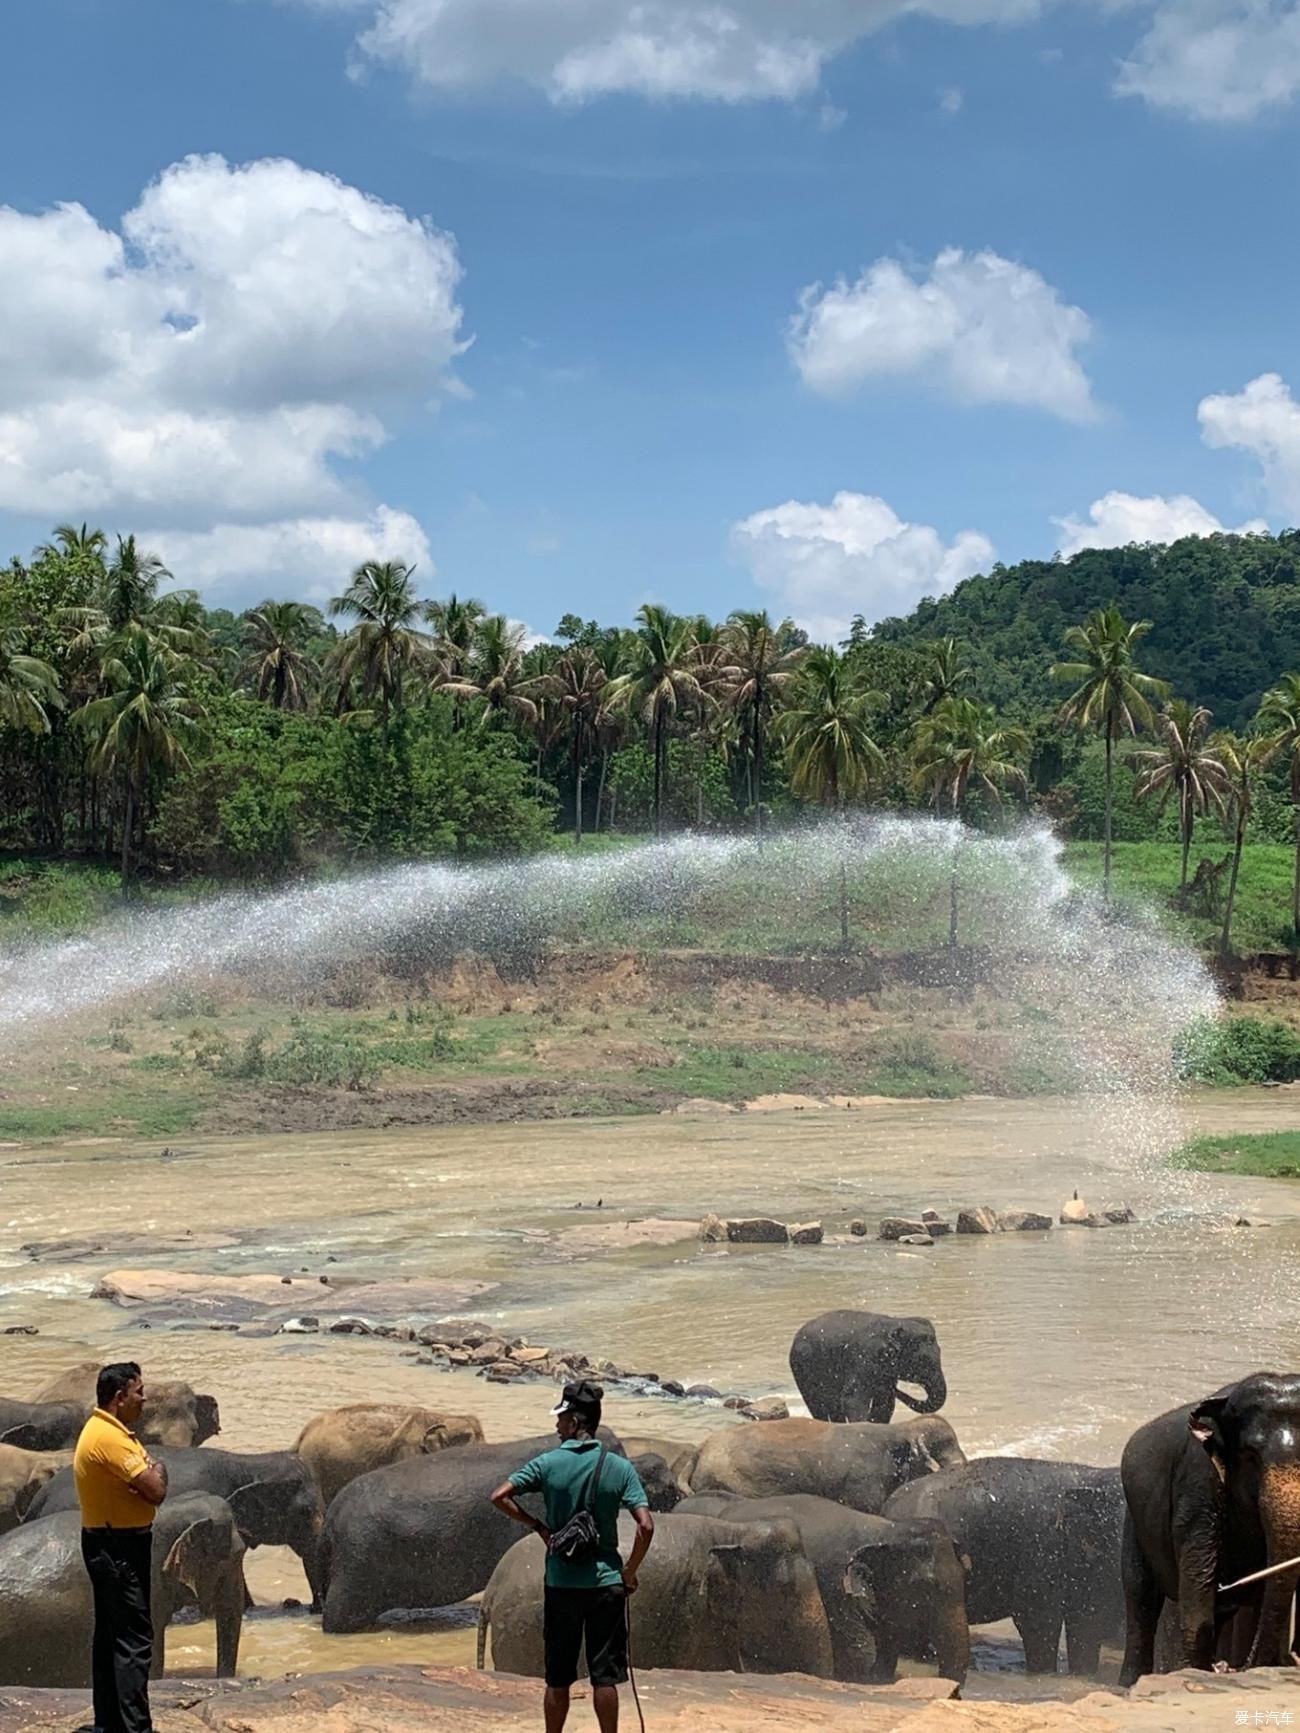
<point x="1241" y="1050"/>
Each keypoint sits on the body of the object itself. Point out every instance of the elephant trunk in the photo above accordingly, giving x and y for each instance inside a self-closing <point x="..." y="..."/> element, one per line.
<point x="936" y="1393"/>
<point x="952" y="1643"/>
<point x="228" y="1611"/>
<point x="1280" y="1511"/>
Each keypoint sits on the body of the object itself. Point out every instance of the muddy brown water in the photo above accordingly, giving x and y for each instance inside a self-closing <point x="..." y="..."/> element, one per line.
<point x="1054" y="1345"/>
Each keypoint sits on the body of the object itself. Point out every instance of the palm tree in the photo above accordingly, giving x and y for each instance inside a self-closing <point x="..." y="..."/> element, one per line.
<point x="945" y="673"/>
<point x="275" y="657"/>
<point x="579" y="684"/>
<point x="826" y="731"/>
<point x="1181" y="765"/>
<point x="384" y="644"/>
<point x="661" y="678"/>
<point x="142" y="724"/>
<point x="84" y="547"/>
<point x="1279" y="718"/>
<point x="126" y="595"/>
<point x="29" y="688"/>
<point x="611" y="654"/>
<point x="497" y="674"/>
<point x="455" y="623"/>
<point x="1240" y="759"/>
<point x="1111" y="693"/>
<point x="756" y="674"/>
<point x="958" y="744"/>
<point x="131" y="584"/>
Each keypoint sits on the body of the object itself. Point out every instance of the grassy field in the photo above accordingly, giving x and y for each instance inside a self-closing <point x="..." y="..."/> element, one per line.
<point x="1148" y="872"/>
<point x="1264" y="1155"/>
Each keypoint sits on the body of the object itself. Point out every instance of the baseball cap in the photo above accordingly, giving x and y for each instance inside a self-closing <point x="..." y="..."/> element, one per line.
<point x="579" y="1398"/>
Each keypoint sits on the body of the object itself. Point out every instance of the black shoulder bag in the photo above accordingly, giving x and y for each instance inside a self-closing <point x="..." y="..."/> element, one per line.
<point x="579" y="1539"/>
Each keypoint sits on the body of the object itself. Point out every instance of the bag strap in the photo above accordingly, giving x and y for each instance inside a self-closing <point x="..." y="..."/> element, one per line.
<point x="593" y="1486"/>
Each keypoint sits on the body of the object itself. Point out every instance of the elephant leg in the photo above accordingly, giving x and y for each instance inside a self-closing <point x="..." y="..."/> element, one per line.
<point x="228" y="1611"/>
<point x="1040" y="1632"/>
<point x="884" y="1669"/>
<point x="1083" y="1639"/>
<point x="1197" y="1575"/>
<point x="1143" y="1599"/>
<point x="881" y="1409"/>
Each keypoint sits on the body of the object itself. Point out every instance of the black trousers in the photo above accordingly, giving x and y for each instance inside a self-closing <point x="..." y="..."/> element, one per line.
<point x="118" y="1564"/>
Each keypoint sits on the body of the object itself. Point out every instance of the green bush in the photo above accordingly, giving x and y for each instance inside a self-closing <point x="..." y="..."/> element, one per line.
<point x="322" y="1059"/>
<point x="1241" y="1050"/>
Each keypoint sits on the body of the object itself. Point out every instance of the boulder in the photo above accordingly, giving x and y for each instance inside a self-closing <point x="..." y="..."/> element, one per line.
<point x="1120" y="1215"/>
<point x="914" y="1240"/>
<point x="766" y="1408"/>
<point x="300" y="1327"/>
<point x="858" y="1228"/>
<point x="704" y="1392"/>
<point x="736" y="1402"/>
<point x="1023" y="1221"/>
<point x="350" y="1327"/>
<point x="757" y="1231"/>
<point x="935" y="1224"/>
<point x="503" y="1372"/>
<point x="529" y="1356"/>
<point x="894" y="1227"/>
<point x="488" y="1353"/>
<point x="979" y="1220"/>
<point x="671" y="1387"/>
<point x="806" y="1234"/>
<point x="458" y="1356"/>
<point x="1076" y="1214"/>
<point x="713" y="1230"/>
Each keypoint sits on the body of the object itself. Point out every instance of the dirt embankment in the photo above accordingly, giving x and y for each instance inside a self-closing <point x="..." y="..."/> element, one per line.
<point x="434" y="1700"/>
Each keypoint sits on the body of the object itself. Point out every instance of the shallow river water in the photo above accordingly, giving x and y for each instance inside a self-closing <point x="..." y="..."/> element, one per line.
<point x="1055" y="1344"/>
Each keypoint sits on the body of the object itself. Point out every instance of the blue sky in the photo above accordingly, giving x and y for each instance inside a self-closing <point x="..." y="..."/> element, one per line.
<point x="510" y="287"/>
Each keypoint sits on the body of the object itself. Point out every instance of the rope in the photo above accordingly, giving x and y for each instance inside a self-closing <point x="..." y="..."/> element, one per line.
<point x="1258" y="1576"/>
<point x="631" y="1670"/>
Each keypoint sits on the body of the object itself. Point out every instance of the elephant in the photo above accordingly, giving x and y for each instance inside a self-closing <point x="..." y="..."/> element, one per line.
<point x="889" y="1588"/>
<point x="662" y="1489"/>
<point x="714" y="1596"/>
<point x="46" y="1610"/>
<point x="858" y="1464"/>
<point x="420" y="1533"/>
<point x="1008" y="1518"/>
<point x="274" y="1496"/>
<point x="676" y="1452"/>
<point x="344" y="1442"/>
<point x="847" y="1366"/>
<point x="1212" y="1491"/>
<point x="22" y="1475"/>
<point x="40" y="1425"/>
<point x="175" y="1415"/>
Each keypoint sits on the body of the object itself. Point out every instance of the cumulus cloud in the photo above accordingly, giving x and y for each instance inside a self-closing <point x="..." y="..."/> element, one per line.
<point x="825" y="563"/>
<point x="1263" y="419"/>
<point x="1224" y="60"/>
<point x="213" y="361"/>
<point x="982" y="327"/>
<point x="1117" y="519"/>
<point x="241" y="564"/>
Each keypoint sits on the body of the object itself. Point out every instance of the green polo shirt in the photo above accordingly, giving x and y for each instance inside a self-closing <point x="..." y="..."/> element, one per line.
<point x="563" y="1477"/>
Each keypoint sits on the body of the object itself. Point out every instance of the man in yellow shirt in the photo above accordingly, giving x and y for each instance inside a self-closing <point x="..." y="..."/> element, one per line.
<point x="119" y="1486"/>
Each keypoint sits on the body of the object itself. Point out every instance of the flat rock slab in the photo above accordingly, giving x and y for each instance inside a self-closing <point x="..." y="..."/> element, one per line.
<point x="617" y="1236"/>
<point x="243" y="1298"/>
<point x="72" y="1251"/>
<point x="456" y="1700"/>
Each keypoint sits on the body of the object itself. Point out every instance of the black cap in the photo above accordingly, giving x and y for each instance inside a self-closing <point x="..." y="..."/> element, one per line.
<point x="579" y="1398"/>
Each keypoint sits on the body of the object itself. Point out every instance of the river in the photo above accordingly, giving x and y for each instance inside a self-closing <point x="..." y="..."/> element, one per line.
<point x="1054" y="1344"/>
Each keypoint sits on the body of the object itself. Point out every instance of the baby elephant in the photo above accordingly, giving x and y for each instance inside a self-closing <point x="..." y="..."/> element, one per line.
<point x="344" y="1442"/>
<point x="22" y="1475"/>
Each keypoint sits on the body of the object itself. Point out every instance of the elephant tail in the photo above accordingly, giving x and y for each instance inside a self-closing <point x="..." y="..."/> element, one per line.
<point x="484" y="1620"/>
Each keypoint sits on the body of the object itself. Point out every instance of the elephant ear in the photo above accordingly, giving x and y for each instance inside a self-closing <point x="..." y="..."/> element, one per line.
<point x="26" y="1437"/>
<point x="1205" y="1423"/>
<point x="256" y="1508"/>
<point x="197" y="1555"/>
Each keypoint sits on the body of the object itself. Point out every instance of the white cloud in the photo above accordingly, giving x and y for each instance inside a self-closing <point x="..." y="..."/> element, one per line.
<point x="1263" y="419"/>
<point x="952" y="99"/>
<point x="983" y="327"/>
<point x="825" y="563"/>
<point x="238" y="565"/>
<point x="212" y="362"/>
<point x="1224" y="60"/>
<point x="1118" y="519"/>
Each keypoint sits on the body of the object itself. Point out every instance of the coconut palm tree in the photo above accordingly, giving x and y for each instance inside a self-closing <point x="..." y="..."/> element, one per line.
<point x="1240" y="759"/>
<point x="1279" y="721"/>
<point x="384" y="644"/>
<point x="143" y="723"/>
<point x="826" y="731"/>
<point x="276" y="661"/>
<point x="579" y="682"/>
<point x="1182" y="766"/>
<point x="661" y="678"/>
<point x="757" y="671"/>
<point x="611" y="653"/>
<point x="961" y="744"/>
<point x="1110" y="691"/>
<point x="29" y="688"/>
<point x="945" y="672"/>
<point x="455" y="622"/>
<point x="497" y="673"/>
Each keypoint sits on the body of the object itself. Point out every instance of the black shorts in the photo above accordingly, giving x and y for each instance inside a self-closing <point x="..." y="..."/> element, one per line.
<point x="596" y="1616"/>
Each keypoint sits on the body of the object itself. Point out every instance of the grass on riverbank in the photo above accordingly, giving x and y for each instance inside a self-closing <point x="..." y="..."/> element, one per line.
<point x="1261" y="1155"/>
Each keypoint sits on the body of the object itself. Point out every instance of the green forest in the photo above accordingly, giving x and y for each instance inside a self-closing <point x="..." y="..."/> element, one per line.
<point x="1139" y="698"/>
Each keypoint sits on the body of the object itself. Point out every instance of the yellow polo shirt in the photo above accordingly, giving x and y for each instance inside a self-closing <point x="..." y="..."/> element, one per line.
<point x="107" y="1459"/>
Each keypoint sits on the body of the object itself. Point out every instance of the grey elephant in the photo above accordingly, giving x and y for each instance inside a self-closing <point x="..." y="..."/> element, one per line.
<point x="40" y="1425"/>
<point x="851" y="1366"/>
<point x="274" y="1496"/>
<point x="860" y="1464"/>
<point x="46" y="1611"/>
<point x="22" y="1475"/>
<point x="713" y="1597"/>
<point x="889" y="1588"/>
<point x="345" y="1442"/>
<point x="175" y="1414"/>
<point x="420" y="1533"/>
<point x="1212" y="1491"/>
<point x="662" y="1489"/>
<point x="1009" y="1518"/>
<point x="676" y="1452"/>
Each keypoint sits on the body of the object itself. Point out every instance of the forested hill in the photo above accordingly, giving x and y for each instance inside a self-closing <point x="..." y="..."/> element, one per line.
<point x="1225" y="612"/>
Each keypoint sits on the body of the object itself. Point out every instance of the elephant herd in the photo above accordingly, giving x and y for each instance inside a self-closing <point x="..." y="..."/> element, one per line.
<point x="835" y="1545"/>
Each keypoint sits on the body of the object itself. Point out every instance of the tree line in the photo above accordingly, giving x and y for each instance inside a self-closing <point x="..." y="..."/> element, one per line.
<point x="137" y="724"/>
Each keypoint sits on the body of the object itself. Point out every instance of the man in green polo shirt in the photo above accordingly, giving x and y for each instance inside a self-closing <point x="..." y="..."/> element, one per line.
<point x="586" y="1599"/>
